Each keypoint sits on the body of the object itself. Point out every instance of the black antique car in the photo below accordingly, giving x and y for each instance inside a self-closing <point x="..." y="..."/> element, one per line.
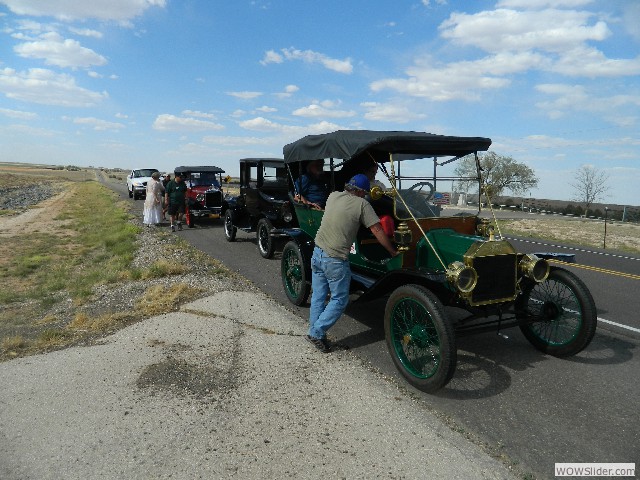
<point x="263" y="205"/>
<point x="204" y="192"/>
<point x="450" y="257"/>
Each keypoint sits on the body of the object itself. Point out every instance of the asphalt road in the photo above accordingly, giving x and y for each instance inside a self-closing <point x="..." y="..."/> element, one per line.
<point x="536" y="409"/>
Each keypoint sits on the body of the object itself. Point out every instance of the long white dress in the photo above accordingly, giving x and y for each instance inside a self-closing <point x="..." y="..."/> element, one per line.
<point x="153" y="203"/>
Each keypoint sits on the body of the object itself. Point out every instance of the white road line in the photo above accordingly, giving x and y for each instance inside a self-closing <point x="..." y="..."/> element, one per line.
<point x="633" y="329"/>
<point x="584" y="250"/>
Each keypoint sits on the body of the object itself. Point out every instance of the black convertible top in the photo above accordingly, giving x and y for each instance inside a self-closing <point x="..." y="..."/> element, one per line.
<point x="203" y="169"/>
<point x="347" y="144"/>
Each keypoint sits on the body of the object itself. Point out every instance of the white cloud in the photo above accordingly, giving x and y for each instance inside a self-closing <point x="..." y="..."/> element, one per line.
<point x="309" y="56"/>
<point x="198" y="114"/>
<point x="167" y="122"/>
<point x="261" y="124"/>
<point x="271" y="56"/>
<point x="118" y="10"/>
<point x="266" y="109"/>
<point x="55" y="50"/>
<point x="121" y="115"/>
<point x="449" y="82"/>
<point x="380" y="112"/>
<point x="323" y="109"/>
<point x="537" y="4"/>
<point x="45" y="87"/>
<point x="590" y="62"/>
<point x="245" y="95"/>
<point x="576" y="98"/>
<point x="289" y="90"/>
<point x="97" y="124"/>
<point x="18" y="114"/>
<point x="500" y="30"/>
<point x="86" y="32"/>
<point x="230" y="141"/>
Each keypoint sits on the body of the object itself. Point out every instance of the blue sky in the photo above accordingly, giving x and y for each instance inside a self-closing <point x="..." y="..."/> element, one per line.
<point x="162" y="83"/>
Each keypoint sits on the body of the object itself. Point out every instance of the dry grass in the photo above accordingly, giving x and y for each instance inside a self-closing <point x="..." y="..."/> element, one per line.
<point x="623" y="237"/>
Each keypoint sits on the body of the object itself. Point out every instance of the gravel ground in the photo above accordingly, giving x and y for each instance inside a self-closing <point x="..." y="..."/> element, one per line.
<point x="20" y="198"/>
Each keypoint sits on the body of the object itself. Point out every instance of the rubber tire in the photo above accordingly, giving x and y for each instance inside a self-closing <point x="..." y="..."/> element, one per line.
<point x="130" y="193"/>
<point x="229" y="230"/>
<point x="266" y="244"/>
<point x="294" y="274"/>
<point x="426" y="312"/>
<point x="549" y="301"/>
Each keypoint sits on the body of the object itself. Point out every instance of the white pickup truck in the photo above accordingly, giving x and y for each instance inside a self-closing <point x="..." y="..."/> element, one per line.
<point x="137" y="182"/>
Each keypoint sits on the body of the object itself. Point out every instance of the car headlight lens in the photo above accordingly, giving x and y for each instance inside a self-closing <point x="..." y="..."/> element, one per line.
<point x="533" y="267"/>
<point x="200" y="197"/>
<point x="462" y="277"/>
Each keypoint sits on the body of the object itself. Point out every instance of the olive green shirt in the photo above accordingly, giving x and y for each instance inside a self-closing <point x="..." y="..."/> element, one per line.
<point x="343" y="216"/>
<point x="176" y="192"/>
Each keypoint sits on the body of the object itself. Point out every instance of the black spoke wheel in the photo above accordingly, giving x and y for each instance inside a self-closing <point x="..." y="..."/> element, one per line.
<point x="266" y="245"/>
<point x="420" y="339"/>
<point x="229" y="230"/>
<point x="294" y="274"/>
<point x="563" y="314"/>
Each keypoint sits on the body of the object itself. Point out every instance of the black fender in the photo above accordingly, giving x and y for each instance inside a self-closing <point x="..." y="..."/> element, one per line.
<point x="560" y="257"/>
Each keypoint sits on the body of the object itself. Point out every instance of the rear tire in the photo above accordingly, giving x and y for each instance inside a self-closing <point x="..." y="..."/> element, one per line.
<point x="229" y="230"/>
<point x="266" y="244"/>
<point x="420" y="338"/>
<point x="294" y="274"/>
<point x="566" y="313"/>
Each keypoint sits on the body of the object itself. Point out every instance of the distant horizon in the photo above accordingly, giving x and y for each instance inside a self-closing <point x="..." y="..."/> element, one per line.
<point x="513" y="196"/>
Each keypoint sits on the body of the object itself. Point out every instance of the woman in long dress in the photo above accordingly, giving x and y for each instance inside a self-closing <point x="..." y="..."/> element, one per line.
<point x="153" y="202"/>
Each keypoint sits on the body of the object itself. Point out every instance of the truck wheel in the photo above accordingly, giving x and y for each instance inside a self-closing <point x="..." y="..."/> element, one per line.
<point x="564" y="314"/>
<point x="294" y="276"/>
<point x="229" y="229"/>
<point x="130" y="193"/>
<point x="266" y="245"/>
<point x="420" y="339"/>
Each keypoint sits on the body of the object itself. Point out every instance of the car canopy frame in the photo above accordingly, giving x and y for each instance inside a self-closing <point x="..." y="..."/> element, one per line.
<point x="350" y="144"/>
<point x="201" y="169"/>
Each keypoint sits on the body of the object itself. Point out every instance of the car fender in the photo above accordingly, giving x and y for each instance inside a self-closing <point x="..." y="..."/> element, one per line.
<point x="306" y="245"/>
<point x="376" y="288"/>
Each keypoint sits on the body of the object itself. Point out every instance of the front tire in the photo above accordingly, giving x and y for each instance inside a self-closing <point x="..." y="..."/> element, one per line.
<point x="565" y="314"/>
<point x="420" y="339"/>
<point x="266" y="245"/>
<point x="294" y="274"/>
<point x="130" y="193"/>
<point x="229" y="230"/>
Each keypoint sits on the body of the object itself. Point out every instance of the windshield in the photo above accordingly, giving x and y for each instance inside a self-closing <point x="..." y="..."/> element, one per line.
<point x="145" y="172"/>
<point x="199" y="179"/>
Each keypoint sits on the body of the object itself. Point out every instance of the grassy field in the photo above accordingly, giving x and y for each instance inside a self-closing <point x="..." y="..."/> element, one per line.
<point x="623" y="237"/>
<point x="51" y="265"/>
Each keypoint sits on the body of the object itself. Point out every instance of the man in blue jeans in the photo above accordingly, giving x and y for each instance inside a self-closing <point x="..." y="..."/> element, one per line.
<point x="345" y="212"/>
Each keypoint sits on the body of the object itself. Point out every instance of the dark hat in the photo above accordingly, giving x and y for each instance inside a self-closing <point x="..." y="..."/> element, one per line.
<point x="360" y="181"/>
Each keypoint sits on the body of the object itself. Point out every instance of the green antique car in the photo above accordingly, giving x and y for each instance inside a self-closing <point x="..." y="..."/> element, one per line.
<point x="451" y="256"/>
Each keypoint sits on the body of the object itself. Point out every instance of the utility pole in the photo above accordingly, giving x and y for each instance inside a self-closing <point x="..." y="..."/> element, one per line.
<point x="604" y="243"/>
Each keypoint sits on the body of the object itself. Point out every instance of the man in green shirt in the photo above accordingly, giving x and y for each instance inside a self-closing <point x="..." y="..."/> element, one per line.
<point x="175" y="197"/>
<point x="345" y="212"/>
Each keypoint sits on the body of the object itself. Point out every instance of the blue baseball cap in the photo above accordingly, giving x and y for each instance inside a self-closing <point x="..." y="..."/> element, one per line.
<point x="360" y="181"/>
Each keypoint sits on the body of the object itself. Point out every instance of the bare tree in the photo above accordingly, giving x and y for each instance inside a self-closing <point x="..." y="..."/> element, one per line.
<point x="589" y="185"/>
<point x="499" y="173"/>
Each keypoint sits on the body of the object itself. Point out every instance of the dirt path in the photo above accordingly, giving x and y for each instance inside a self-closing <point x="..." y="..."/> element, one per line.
<point x="40" y="218"/>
